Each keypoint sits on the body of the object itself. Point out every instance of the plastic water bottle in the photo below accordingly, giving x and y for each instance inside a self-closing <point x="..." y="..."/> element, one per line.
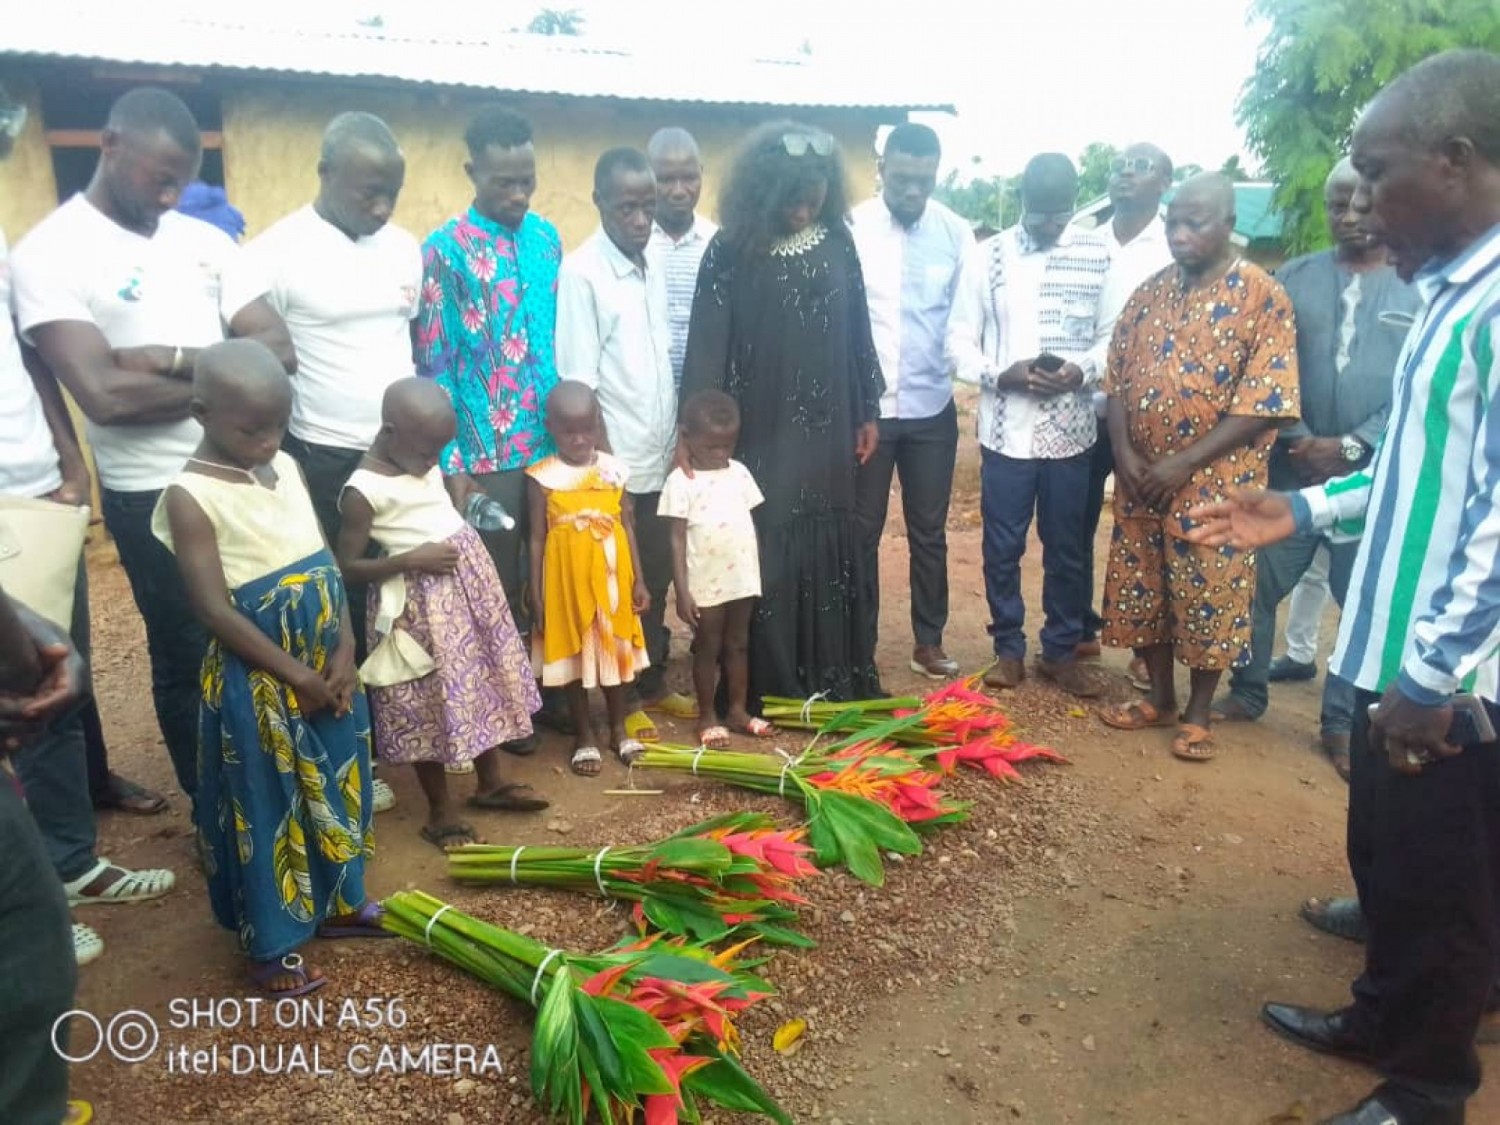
<point x="485" y="514"/>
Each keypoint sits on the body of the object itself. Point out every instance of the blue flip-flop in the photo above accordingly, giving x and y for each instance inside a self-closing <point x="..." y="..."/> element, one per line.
<point x="262" y="972"/>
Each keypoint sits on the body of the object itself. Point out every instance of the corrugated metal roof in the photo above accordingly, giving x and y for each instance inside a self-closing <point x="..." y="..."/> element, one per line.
<point x="517" y="63"/>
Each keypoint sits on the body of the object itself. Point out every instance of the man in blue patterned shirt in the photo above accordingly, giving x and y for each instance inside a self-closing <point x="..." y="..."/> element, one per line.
<point x="486" y="326"/>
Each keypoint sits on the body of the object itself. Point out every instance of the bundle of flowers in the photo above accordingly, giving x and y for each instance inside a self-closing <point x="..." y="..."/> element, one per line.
<point x="954" y="724"/>
<point x="645" y="1028"/>
<point x="862" y="796"/>
<point x="736" y="873"/>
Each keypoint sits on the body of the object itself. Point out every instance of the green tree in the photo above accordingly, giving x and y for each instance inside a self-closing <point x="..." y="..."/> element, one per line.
<point x="557" y="21"/>
<point x="992" y="201"/>
<point x="1321" y="62"/>
<point x="1093" y="170"/>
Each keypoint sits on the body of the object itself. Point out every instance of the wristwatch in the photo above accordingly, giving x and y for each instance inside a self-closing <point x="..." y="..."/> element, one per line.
<point x="1352" y="448"/>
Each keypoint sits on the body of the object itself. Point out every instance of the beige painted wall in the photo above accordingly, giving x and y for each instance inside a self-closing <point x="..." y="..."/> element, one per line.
<point x="271" y="140"/>
<point x="27" y="190"/>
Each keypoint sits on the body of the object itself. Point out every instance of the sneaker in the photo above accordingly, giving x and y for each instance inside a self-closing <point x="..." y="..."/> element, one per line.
<point x="1285" y="670"/>
<point x="931" y="661"/>
<point x="1068" y="675"/>
<point x="382" y="796"/>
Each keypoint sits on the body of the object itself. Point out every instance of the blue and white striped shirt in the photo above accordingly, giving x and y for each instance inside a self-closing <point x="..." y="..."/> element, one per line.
<point x="680" y="259"/>
<point x="1424" y="599"/>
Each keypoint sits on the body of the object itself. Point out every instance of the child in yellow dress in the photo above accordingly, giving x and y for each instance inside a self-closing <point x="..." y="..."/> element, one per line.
<point x="586" y="589"/>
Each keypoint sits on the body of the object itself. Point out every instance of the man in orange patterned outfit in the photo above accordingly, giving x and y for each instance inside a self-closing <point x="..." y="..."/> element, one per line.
<point x="1202" y="369"/>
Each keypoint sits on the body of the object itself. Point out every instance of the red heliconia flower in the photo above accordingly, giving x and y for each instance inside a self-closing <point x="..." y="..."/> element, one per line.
<point x="663" y="1109"/>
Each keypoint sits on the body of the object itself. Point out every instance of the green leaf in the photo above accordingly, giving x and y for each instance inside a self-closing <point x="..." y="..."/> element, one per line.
<point x="597" y="1043"/>
<point x="887" y="830"/>
<point x="780" y="935"/>
<point x="700" y="854"/>
<point x="627" y="1022"/>
<point x="726" y="1083"/>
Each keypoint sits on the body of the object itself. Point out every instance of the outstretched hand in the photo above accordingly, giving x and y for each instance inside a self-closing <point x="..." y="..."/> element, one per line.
<point x="1247" y="518"/>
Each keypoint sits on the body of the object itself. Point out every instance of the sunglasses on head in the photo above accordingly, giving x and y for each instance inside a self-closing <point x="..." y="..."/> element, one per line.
<point x="798" y="144"/>
<point x="1140" y="165"/>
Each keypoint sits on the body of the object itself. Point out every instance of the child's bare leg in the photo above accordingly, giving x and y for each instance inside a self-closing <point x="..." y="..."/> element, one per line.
<point x="443" y="828"/>
<point x="616" y="700"/>
<point x="583" y="731"/>
<point x="487" y="771"/>
<point x="707" y="645"/>
<point x="737" y="662"/>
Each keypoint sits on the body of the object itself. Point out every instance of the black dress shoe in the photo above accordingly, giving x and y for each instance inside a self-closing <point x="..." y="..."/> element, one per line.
<point x="1371" y="1111"/>
<point x="1330" y="1033"/>
<point x="1285" y="670"/>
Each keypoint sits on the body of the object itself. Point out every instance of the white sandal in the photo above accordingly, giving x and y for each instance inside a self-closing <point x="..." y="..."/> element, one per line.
<point x="586" y="755"/>
<point x="382" y="796"/>
<point x="630" y="749"/>
<point x="131" y="886"/>
<point x="87" y="944"/>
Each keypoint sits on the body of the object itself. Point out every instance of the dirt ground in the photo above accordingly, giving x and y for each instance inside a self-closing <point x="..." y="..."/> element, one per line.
<point x="1091" y="947"/>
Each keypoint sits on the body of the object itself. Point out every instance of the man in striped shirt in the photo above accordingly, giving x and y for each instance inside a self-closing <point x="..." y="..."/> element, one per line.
<point x="679" y="235"/>
<point x="1423" y="619"/>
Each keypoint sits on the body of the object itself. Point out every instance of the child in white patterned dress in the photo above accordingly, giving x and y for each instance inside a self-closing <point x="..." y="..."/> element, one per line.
<point x="716" y="562"/>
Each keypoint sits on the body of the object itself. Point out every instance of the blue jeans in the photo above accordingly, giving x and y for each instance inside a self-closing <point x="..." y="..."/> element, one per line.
<point x="175" y="641"/>
<point x="54" y="771"/>
<point x="1056" y="491"/>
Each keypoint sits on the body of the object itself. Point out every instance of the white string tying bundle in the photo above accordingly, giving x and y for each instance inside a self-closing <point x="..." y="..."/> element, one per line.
<point x="807" y="706"/>
<point x="515" y="855"/>
<point x="536" y="982"/>
<point x="698" y="757"/>
<point x="438" y="913"/>
<point x="788" y="763"/>
<point x="598" y="874"/>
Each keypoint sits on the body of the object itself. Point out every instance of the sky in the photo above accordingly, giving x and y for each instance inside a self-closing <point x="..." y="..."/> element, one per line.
<point x="1024" y="78"/>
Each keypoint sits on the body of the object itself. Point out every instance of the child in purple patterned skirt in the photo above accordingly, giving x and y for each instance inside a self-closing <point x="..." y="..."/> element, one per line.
<point x="447" y="676"/>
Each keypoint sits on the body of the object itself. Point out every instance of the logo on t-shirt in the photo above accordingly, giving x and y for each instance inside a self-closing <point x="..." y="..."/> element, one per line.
<point x="131" y="291"/>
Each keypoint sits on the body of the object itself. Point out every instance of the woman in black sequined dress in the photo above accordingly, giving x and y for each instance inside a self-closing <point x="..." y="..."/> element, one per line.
<point x="780" y="323"/>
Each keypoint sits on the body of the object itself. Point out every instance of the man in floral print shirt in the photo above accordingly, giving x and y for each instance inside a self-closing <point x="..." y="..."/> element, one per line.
<point x="1202" y="371"/>
<point x="486" y="325"/>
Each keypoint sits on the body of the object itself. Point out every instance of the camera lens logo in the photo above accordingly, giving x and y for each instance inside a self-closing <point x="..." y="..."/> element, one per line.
<point x="131" y="1036"/>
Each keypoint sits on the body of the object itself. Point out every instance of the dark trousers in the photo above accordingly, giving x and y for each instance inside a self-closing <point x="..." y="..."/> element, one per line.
<point x="508" y="549"/>
<point x="55" y="775"/>
<point x="1056" y="491"/>
<point x="37" y="972"/>
<point x="922" y="451"/>
<point x="1101" y="464"/>
<point x="654" y="541"/>
<point x="1425" y="854"/>
<point x="1278" y="569"/>
<point x="327" y="470"/>
<point x="175" y="641"/>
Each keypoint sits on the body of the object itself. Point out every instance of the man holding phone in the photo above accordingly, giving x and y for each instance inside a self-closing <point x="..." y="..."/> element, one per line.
<point x="1031" y="326"/>
<point x="1422" y="624"/>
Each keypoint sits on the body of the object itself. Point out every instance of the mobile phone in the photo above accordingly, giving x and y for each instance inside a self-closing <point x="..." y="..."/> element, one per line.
<point x="1471" y="724"/>
<point x="1049" y="363"/>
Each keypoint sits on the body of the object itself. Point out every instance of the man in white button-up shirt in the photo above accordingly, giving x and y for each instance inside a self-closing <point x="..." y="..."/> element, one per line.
<point x="613" y="335"/>
<point x="1031" y="326"/>
<point x="912" y="251"/>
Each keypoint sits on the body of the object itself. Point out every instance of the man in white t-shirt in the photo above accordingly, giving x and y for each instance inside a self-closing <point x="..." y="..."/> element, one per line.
<point x="1137" y="237"/>
<point x="346" y="281"/>
<point x="40" y="459"/>
<point x="118" y="292"/>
